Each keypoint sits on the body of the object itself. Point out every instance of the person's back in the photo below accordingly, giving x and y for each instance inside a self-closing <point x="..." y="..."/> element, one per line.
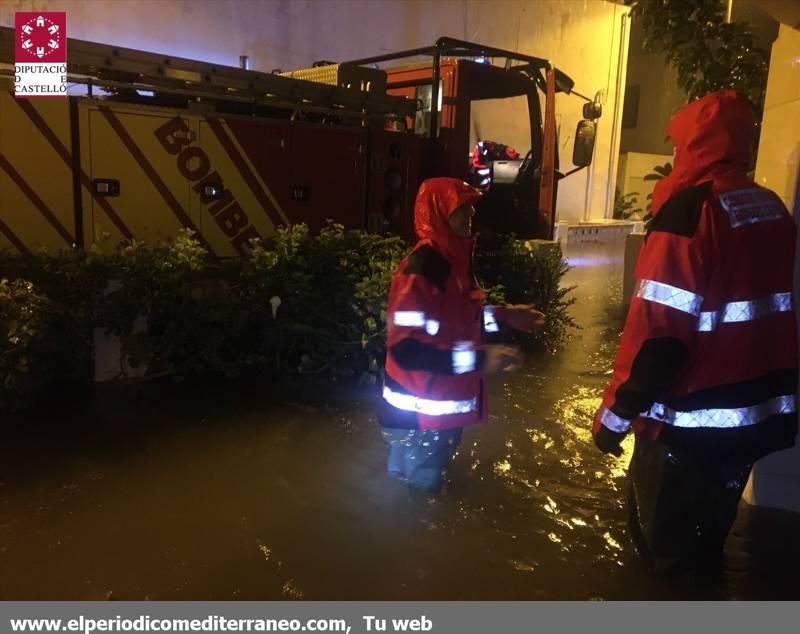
<point x="707" y="369"/>
<point x="743" y="353"/>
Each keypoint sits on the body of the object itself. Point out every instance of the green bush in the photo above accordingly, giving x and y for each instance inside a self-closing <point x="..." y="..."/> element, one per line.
<point x="626" y="205"/>
<point x="152" y="285"/>
<point x="332" y="291"/>
<point x="520" y="274"/>
<point x="299" y="305"/>
<point x="659" y="172"/>
<point x="707" y="53"/>
<point x="26" y="324"/>
<point x="46" y="321"/>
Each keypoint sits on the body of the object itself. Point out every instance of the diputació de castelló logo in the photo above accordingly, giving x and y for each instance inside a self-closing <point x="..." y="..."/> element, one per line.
<point x="40" y="67"/>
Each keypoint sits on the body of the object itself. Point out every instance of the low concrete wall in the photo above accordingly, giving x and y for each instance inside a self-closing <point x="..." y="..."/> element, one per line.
<point x="775" y="481"/>
<point x="633" y="244"/>
<point x="543" y="247"/>
<point x="600" y="232"/>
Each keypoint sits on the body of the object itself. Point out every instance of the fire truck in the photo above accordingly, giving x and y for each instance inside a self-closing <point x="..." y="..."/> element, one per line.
<point x="154" y="144"/>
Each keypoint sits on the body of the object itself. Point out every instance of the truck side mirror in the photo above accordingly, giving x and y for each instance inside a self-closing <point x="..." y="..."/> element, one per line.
<point x="564" y="83"/>
<point x="584" y="143"/>
<point x="592" y="110"/>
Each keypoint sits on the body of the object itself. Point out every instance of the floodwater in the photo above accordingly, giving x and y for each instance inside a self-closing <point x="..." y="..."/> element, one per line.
<point x="215" y="495"/>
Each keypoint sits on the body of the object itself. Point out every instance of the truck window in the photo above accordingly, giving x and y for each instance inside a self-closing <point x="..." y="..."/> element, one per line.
<point x="503" y="121"/>
<point x="422" y="122"/>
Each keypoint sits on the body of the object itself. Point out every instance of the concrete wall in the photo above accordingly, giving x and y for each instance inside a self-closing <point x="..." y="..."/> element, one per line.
<point x="659" y="94"/>
<point x="778" y="164"/>
<point x="659" y="98"/>
<point x="586" y="38"/>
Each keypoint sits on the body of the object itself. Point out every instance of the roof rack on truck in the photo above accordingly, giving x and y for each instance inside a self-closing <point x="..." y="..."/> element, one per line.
<point x="361" y="93"/>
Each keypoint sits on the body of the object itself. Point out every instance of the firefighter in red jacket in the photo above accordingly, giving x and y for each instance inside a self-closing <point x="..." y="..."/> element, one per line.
<point x="435" y="359"/>
<point x="706" y="373"/>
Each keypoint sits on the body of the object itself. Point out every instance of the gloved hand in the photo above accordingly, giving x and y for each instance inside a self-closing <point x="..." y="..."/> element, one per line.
<point x="521" y="317"/>
<point x="608" y="441"/>
<point x="501" y="358"/>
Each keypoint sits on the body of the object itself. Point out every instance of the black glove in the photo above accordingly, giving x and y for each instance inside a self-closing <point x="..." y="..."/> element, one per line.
<point x="609" y="441"/>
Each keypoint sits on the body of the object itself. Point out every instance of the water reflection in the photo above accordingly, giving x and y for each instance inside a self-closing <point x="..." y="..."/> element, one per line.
<point x="232" y="496"/>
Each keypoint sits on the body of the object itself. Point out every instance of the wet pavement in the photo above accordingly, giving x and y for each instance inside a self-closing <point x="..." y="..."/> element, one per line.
<point x="219" y="496"/>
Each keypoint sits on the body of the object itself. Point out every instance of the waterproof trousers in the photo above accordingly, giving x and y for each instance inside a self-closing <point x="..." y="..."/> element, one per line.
<point x="420" y="456"/>
<point x="680" y="506"/>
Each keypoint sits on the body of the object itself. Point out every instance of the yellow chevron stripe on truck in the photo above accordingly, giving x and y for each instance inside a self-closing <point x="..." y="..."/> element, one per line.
<point x="162" y="161"/>
<point x="36" y="192"/>
<point x="256" y="174"/>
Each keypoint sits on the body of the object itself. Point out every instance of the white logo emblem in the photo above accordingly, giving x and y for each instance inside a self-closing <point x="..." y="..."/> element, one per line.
<point x="34" y="27"/>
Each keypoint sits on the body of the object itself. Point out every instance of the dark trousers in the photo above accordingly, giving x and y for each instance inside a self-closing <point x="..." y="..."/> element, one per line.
<point x="681" y="507"/>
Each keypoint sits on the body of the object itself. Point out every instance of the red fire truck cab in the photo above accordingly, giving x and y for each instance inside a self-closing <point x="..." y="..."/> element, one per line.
<point x="461" y="78"/>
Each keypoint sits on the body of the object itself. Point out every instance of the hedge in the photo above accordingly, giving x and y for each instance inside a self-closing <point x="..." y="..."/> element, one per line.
<point x="299" y="305"/>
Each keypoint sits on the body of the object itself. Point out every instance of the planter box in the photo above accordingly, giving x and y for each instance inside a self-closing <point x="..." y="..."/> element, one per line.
<point x="775" y="481"/>
<point x="606" y="232"/>
<point x="633" y="244"/>
<point x="543" y="247"/>
<point x="561" y="233"/>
